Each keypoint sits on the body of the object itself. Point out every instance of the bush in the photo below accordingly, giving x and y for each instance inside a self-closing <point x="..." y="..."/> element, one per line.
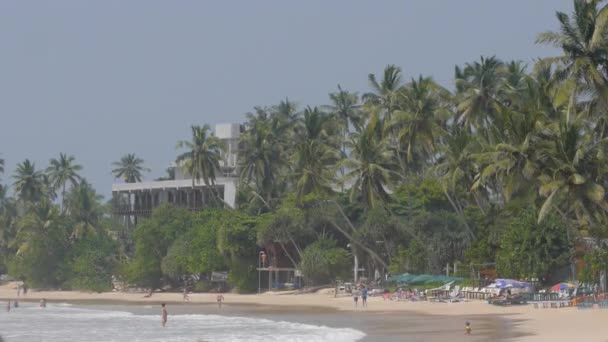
<point x="323" y="262"/>
<point x="92" y="263"/>
<point x="533" y="250"/>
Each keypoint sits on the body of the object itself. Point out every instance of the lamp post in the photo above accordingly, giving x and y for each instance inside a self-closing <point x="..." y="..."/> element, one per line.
<point x="261" y="257"/>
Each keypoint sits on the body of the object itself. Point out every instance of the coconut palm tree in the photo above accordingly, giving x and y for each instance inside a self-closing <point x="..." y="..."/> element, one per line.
<point x="583" y="38"/>
<point x="372" y="167"/>
<point x="264" y="158"/>
<point x="203" y="155"/>
<point x="478" y="86"/>
<point x="316" y="154"/>
<point x="386" y="92"/>
<point x="129" y="168"/>
<point x="36" y="222"/>
<point x="61" y="172"/>
<point x="572" y="176"/>
<point x="83" y="204"/>
<point x="29" y="183"/>
<point x="421" y="120"/>
<point x="345" y="107"/>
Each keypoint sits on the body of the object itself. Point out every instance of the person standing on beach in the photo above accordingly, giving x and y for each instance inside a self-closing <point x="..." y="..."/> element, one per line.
<point x="164" y="315"/>
<point x="186" y="296"/>
<point x="356" y="297"/>
<point x="364" y="296"/>
<point x="220" y="299"/>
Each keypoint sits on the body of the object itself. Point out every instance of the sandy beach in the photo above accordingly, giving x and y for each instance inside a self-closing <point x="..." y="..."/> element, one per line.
<point x="519" y="323"/>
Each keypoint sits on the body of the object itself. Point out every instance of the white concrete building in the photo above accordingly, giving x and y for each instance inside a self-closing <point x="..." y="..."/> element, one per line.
<point x="139" y="199"/>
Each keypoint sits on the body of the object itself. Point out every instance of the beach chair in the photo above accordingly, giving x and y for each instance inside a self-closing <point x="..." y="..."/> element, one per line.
<point x="455" y="295"/>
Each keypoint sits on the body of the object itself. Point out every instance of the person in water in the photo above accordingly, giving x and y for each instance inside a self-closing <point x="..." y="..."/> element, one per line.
<point x="43" y="303"/>
<point x="164" y="315"/>
<point x="8" y="306"/>
<point x="467" y="328"/>
<point x="16" y="304"/>
<point x="220" y="299"/>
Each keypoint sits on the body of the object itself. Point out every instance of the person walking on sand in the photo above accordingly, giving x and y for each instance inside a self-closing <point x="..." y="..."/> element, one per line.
<point x="364" y="296"/>
<point x="220" y="299"/>
<point x="164" y="315"/>
<point x="186" y="296"/>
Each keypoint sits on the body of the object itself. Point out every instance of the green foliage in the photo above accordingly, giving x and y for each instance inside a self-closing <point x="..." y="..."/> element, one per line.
<point x="195" y="252"/>
<point x="323" y="262"/>
<point x="412" y="259"/>
<point x="596" y="261"/>
<point x="40" y="261"/>
<point x="533" y="250"/>
<point x="93" y="262"/>
<point x="153" y="237"/>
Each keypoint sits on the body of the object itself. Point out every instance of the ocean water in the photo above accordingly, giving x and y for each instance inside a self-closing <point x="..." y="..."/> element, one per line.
<point x="64" y="322"/>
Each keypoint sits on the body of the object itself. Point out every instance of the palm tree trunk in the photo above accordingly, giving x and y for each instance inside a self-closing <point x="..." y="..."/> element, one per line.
<point x="356" y="242"/>
<point x="288" y="255"/>
<point x="459" y="213"/>
<point x="63" y="199"/>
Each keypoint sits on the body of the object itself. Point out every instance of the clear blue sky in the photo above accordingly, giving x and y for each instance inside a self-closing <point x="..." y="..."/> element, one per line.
<point x="99" y="79"/>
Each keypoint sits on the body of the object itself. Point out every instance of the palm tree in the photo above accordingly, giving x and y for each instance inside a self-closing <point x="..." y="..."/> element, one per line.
<point x="372" y="168"/>
<point x="29" y="183"/>
<point x="62" y="171"/>
<point x="345" y="107"/>
<point x="572" y="178"/>
<point x="422" y="118"/>
<point x="203" y="155"/>
<point x="1" y="171"/>
<point x="129" y="168"/>
<point x="456" y="168"/>
<point x="316" y="154"/>
<point x="264" y="158"/>
<point x="583" y="39"/>
<point x="83" y="204"/>
<point x="478" y="85"/>
<point x="385" y="93"/>
<point x="35" y="223"/>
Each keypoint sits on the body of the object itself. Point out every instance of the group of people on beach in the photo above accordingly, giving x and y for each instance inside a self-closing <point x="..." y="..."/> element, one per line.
<point x="360" y="291"/>
<point x="21" y="289"/>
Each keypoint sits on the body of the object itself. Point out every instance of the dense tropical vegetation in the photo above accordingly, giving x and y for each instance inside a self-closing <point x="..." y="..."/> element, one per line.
<point x="507" y="169"/>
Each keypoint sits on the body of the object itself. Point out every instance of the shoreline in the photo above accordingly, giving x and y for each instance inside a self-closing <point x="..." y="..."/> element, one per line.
<point x="520" y="323"/>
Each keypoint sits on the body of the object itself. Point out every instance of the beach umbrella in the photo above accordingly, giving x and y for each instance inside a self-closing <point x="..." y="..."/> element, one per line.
<point x="508" y="283"/>
<point x="562" y="287"/>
